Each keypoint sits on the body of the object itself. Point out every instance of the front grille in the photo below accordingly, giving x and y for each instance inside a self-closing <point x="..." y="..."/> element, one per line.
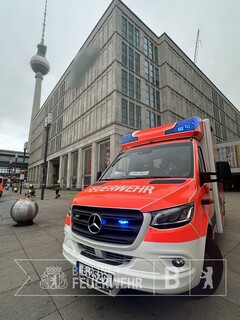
<point x="112" y="231"/>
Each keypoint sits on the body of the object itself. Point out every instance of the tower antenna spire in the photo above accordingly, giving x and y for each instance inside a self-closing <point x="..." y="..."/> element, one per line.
<point x="198" y="41"/>
<point x="44" y="23"/>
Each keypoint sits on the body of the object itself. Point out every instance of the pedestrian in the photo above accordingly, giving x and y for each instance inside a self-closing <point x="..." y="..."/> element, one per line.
<point x="31" y="191"/>
<point x="57" y="189"/>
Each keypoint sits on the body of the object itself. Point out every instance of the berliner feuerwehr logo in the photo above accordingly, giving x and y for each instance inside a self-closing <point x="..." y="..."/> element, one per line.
<point x="53" y="278"/>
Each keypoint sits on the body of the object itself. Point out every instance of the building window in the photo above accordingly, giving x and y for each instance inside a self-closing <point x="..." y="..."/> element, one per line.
<point x="148" y="119"/>
<point x="130" y="33"/>
<point x="216" y="113"/>
<point x="221" y="103"/>
<point x="87" y="163"/>
<point x="151" y="50"/>
<point x="131" y="86"/>
<point x="153" y="120"/>
<point x="224" y="133"/>
<point x="147" y="95"/>
<point x="137" y="38"/>
<point x="103" y="155"/>
<point x="138" y="117"/>
<point x="151" y="73"/>
<point x="131" y="114"/>
<point x="131" y="58"/>
<point x="124" y="112"/>
<point x="146" y="46"/>
<point x="157" y="76"/>
<point x="158" y="100"/>
<point x="218" y="129"/>
<point x="124" y="82"/>
<point x="158" y="120"/>
<point x="156" y="54"/>
<point x="214" y="97"/>
<point x="138" y="89"/>
<point x="223" y="118"/>
<point x="137" y="63"/>
<point x="124" y="27"/>
<point x="59" y="142"/>
<point x="124" y="53"/>
<point x="146" y="70"/>
<point x="152" y="97"/>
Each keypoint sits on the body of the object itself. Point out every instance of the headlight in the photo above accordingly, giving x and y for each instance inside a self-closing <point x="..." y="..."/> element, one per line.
<point x="70" y="211"/>
<point x="172" y="217"/>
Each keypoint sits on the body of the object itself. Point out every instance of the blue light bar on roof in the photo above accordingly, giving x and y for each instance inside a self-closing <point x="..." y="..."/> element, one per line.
<point x="129" y="137"/>
<point x="185" y="125"/>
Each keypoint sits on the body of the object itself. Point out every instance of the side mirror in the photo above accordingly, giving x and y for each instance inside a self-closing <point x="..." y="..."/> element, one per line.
<point x="223" y="173"/>
<point x="99" y="173"/>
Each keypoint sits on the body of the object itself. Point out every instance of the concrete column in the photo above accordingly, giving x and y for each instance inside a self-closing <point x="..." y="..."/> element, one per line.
<point x="80" y="169"/>
<point x="49" y="181"/>
<point x="115" y="146"/>
<point x="94" y="162"/>
<point x="34" y="174"/>
<point x="60" y="170"/>
<point x="69" y="170"/>
<point x="39" y="174"/>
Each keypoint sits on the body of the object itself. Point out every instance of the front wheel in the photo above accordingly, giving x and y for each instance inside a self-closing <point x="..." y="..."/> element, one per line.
<point x="212" y="270"/>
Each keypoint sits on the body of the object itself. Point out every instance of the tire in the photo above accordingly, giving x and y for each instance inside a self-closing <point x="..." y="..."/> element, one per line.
<point x="213" y="261"/>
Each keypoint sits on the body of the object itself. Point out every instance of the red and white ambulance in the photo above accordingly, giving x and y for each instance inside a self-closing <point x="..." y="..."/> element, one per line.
<point x="149" y="221"/>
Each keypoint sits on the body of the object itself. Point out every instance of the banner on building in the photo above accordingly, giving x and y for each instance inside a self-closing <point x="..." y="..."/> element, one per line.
<point x="230" y="154"/>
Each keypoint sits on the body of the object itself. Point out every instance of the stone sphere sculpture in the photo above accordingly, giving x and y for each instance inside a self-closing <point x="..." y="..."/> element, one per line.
<point x="23" y="211"/>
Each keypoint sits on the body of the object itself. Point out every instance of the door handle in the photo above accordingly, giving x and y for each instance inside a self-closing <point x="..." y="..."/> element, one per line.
<point x="207" y="201"/>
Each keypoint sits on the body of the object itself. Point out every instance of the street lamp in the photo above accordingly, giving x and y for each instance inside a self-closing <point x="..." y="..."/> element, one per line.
<point x="24" y="155"/>
<point x="16" y="159"/>
<point x="10" y="166"/>
<point x="47" y="125"/>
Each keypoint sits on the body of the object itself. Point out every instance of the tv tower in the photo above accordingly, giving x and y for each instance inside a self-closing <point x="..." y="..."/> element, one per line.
<point x="41" y="67"/>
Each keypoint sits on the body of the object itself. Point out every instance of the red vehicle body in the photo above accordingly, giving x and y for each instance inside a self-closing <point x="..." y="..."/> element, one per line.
<point x="148" y="223"/>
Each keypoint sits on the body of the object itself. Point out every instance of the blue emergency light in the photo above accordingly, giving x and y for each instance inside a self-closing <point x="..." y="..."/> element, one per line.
<point x="128" y="137"/>
<point x="104" y="221"/>
<point x="185" y="125"/>
<point x="123" y="222"/>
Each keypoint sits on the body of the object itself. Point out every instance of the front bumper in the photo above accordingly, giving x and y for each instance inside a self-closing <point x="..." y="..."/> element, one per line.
<point x="149" y="267"/>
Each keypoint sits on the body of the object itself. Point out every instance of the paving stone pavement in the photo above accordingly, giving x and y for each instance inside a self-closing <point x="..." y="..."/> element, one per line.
<point x="27" y="251"/>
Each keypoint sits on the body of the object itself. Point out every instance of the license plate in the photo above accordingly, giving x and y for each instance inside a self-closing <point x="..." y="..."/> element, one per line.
<point x="97" y="276"/>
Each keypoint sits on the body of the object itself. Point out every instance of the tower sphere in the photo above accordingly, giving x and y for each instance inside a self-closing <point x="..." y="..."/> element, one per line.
<point x="40" y="64"/>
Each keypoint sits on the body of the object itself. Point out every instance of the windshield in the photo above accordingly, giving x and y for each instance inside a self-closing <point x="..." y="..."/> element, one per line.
<point x="159" y="161"/>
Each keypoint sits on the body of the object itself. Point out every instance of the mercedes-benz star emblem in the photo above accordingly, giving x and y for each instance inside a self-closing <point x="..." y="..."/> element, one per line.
<point x="94" y="223"/>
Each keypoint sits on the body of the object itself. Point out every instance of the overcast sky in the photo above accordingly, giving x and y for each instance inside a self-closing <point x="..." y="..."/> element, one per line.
<point x="68" y="24"/>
